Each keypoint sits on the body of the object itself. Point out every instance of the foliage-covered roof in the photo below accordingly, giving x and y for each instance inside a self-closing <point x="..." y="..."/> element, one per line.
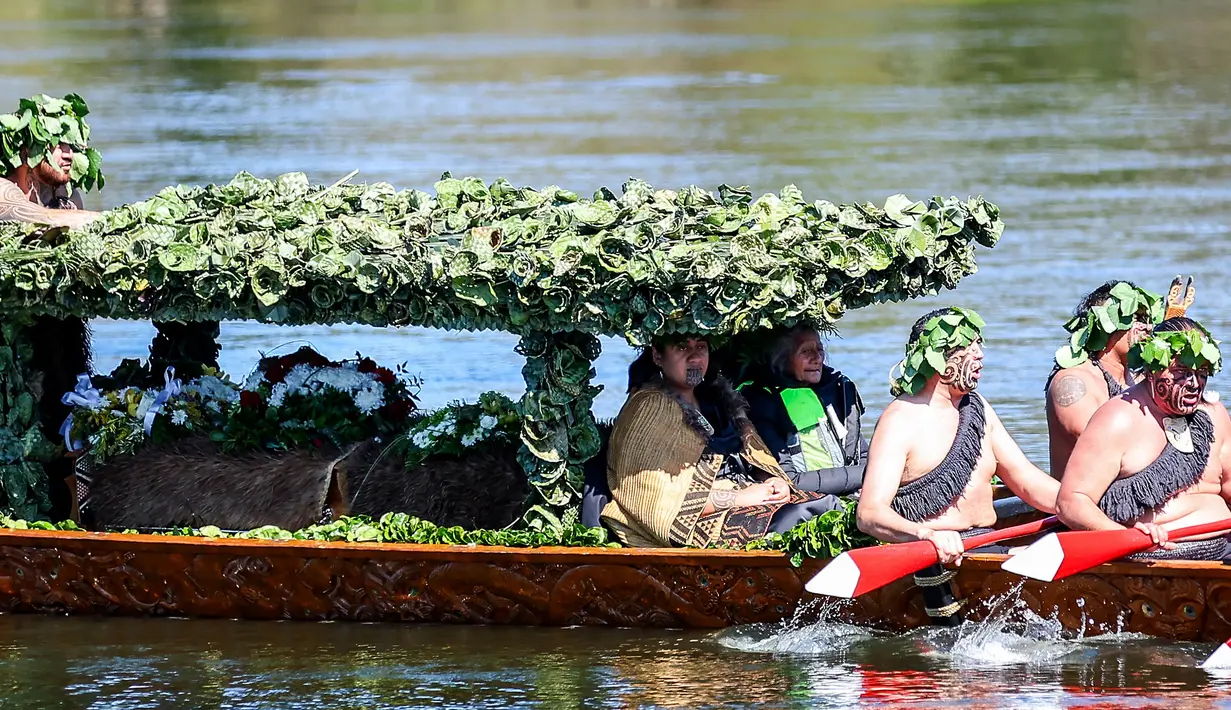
<point x="476" y="256"/>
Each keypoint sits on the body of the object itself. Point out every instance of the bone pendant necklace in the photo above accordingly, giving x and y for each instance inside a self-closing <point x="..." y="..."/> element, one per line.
<point x="1179" y="434"/>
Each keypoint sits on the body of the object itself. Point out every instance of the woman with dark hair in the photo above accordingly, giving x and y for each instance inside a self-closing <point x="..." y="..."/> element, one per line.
<point x="808" y="415"/>
<point x="685" y="465"/>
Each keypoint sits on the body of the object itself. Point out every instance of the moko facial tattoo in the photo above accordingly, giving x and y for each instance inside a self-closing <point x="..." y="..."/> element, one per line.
<point x="39" y="125"/>
<point x="1177" y="364"/>
<point x="930" y="354"/>
<point x="1090" y="333"/>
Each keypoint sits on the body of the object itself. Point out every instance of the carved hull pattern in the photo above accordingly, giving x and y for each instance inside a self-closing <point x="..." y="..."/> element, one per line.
<point x="98" y="573"/>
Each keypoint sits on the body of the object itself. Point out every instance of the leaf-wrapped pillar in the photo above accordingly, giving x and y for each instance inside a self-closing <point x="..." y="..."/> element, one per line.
<point x="558" y="430"/>
<point x="23" y="448"/>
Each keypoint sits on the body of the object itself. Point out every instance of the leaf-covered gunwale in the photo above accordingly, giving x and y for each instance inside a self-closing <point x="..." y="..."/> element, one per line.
<point x="546" y="264"/>
<point x="476" y="256"/>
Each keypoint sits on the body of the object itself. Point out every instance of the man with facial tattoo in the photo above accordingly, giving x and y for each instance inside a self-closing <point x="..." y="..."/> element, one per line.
<point x="938" y="444"/>
<point x="1092" y="365"/>
<point x="935" y="450"/>
<point x="1158" y="457"/>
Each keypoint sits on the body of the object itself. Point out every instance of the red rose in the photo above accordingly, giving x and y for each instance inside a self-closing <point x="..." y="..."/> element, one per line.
<point x="367" y="365"/>
<point x="250" y="400"/>
<point x="385" y="376"/>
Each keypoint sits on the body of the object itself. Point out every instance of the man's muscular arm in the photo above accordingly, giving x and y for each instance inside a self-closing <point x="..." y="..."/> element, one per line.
<point x="1073" y="400"/>
<point x="16" y="207"/>
<point x="1028" y="481"/>
<point x="1093" y="467"/>
<point x="881" y="479"/>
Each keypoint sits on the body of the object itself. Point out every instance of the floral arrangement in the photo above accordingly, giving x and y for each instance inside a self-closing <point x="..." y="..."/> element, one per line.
<point x="307" y="399"/>
<point x="452" y="429"/>
<point x="301" y="399"/>
<point x="118" y="422"/>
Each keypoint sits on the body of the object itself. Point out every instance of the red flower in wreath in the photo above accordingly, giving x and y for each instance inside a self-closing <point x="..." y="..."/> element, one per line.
<point x="250" y="400"/>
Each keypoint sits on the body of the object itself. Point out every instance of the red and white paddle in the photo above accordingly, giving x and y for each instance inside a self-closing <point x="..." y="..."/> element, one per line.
<point x="860" y="571"/>
<point x="1059" y="555"/>
<point x="1220" y="658"/>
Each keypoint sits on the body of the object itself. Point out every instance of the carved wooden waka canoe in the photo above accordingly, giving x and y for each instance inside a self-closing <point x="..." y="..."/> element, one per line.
<point x="146" y="575"/>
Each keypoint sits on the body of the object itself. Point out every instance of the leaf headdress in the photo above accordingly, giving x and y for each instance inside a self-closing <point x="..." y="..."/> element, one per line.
<point x="40" y="124"/>
<point x="942" y="334"/>
<point x="1193" y="348"/>
<point x="1089" y="333"/>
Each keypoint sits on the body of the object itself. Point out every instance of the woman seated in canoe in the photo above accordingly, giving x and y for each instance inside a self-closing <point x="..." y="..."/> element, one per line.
<point x="685" y="465"/>
<point x="808" y="414"/>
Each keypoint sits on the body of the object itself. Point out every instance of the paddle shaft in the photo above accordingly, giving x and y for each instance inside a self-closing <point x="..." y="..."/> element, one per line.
<point x="987" y="538"/>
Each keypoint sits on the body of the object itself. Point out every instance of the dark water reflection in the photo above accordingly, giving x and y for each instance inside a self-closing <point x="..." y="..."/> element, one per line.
<point x="155" y="663"/>
<point x="1101" y="127"/>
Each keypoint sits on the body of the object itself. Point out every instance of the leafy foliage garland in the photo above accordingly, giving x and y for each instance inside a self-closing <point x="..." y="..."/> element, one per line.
<point x="23" y="448"/>
<point x="1196" y="349"/>
<point x="475" y="256"/>
<point x="40" y="124"/>
<point x="1089" y="334"/>
<point x="558" y="429"/>
<point x="927" y="355"/>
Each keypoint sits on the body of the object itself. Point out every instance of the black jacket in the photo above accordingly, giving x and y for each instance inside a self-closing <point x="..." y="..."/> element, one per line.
<point x="769" y="415"/>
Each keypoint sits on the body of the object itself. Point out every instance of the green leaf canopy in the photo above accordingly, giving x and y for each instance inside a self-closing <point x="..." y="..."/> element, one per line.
<point x="476" y="256"/>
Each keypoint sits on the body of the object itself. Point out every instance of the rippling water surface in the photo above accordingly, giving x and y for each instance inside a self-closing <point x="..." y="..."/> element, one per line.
<point x="1100" y="127"/>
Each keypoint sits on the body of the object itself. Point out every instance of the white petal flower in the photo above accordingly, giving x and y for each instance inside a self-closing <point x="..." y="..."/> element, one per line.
<point x="278" y="395"/>
<point x="487" y="421"/>
<point x="179" y="417"/>
<point x="469" y="440"/>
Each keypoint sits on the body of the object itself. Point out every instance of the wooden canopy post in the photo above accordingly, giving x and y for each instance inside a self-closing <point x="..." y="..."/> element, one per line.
<point x="558" y="429"/>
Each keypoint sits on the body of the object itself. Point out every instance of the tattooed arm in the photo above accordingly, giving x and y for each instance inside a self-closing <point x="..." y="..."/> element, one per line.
<point x="774" y="490"/>
<point x="16" y="207"/>
<point x="1073" y="398"/>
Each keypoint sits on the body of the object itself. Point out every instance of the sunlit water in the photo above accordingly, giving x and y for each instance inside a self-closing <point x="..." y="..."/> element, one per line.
<point x="1100" y="127"/>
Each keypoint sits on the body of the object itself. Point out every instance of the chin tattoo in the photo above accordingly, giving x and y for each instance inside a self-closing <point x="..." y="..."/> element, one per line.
<point x="960" y="372"/>
<point x="694" y="376"/>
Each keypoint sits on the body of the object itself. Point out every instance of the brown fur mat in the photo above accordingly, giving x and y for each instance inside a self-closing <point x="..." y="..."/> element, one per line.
<point x="191" y="482"/>
<point x="486" y="489"/>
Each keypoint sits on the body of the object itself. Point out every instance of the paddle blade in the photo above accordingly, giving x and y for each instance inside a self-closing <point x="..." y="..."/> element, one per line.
<point x="860" y="571"/>
<point x="1059" y="555"/>
<point x="1220" y="658"/>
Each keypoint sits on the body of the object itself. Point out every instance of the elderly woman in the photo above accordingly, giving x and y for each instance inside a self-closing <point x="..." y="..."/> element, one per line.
<point x="808" y="414"/>
<point x="685" y="465"/>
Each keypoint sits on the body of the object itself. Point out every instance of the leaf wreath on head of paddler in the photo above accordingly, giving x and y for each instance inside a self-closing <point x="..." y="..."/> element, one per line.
<point x="931" y="352"/>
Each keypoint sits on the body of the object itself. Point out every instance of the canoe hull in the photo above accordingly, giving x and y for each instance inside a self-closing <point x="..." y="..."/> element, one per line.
<point x="141" y="575"/>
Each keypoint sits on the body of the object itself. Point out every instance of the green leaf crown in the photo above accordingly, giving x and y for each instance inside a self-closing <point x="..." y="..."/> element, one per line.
<point x="955" y="329"/>
<point x="40" y="124"/>
<point x="1090" y="333"/>
<point x="1193" y="348"/>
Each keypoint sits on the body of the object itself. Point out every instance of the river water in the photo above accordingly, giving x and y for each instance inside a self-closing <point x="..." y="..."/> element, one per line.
<point x="1102" y="129"/>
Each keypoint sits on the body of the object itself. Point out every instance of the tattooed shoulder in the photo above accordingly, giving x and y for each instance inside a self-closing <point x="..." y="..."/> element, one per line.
<point x="1068" y="390"/>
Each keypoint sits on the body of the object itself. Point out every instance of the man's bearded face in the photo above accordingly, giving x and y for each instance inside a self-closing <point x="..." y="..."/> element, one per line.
<point x="54" y="171"/>
<point x="964" y="367"/>
<point x="1177" y="390"/>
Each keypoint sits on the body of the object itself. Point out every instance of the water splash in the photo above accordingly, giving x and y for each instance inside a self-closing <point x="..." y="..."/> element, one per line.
<point x="1009" y="634"/>
<point x="825" y="635"/>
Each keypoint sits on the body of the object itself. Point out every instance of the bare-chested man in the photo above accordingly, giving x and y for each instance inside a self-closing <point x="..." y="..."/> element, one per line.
<point x="938" y="444"/>
<point x="42" y="149"/>
<point x="1158" y="456"/>
<point x="38" y="145"/>
<point x="1093" y="366"/>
